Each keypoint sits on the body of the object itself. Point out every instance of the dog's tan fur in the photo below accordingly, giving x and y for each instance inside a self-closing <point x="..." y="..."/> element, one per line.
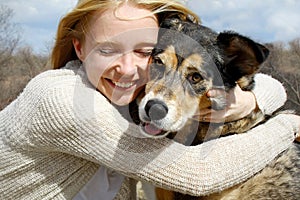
<point x="179" y="80"/>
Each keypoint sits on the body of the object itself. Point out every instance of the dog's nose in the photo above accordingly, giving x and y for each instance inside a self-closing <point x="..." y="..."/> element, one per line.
<point x="156" y="109"/>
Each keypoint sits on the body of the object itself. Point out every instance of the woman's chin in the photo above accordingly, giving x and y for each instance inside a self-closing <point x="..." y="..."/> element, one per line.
<point x="122" y="101"/>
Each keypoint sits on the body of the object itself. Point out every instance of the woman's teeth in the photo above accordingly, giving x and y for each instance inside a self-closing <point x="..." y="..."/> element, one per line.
<point x="123" y="85"/>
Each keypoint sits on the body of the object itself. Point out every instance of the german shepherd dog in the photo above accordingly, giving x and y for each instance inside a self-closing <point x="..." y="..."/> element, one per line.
<point x="190" y="59"/>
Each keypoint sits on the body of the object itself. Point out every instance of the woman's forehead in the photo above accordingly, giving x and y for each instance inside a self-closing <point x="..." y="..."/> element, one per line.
<point x="127" y="16"/>
<point x="142" y="25"/>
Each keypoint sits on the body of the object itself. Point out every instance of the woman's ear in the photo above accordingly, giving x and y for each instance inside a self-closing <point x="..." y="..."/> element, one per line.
<point x="78" y="49"/>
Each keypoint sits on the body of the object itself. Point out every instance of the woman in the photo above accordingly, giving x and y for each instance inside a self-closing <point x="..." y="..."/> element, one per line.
<point x="63" y="129"/>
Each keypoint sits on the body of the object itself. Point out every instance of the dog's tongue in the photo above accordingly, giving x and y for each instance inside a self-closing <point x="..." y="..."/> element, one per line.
<point x="151" y="129"/>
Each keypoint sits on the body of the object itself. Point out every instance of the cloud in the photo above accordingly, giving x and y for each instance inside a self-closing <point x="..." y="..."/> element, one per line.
<point x="284" y="25"/>
<point x="39" y="19"/>
<point x="39" y="11"/>
<point x="264" y="21"/>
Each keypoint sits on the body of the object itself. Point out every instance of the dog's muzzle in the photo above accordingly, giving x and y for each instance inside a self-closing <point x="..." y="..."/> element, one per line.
<point x="156" y="109"/>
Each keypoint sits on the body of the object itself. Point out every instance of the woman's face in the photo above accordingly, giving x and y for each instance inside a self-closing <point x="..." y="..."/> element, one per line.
<point x="116" y="51"/>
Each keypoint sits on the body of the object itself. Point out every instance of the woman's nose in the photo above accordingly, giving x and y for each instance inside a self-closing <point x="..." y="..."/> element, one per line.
<point x="127" y="64"/>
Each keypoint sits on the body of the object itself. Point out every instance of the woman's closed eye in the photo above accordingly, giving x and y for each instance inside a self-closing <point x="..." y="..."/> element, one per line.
<point x="108" y="51"/>
<point x="143" y="52"/>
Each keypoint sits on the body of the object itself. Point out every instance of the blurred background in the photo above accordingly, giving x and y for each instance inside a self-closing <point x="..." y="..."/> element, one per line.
<point x="27" y="34"/>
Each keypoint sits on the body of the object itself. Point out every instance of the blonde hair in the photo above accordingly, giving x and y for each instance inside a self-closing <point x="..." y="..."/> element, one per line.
<point x="74" y="24"/>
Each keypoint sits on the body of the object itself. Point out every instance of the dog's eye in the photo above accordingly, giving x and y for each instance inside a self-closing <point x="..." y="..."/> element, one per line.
<point x="157" y="61"/>
<point x="195" y="78"/>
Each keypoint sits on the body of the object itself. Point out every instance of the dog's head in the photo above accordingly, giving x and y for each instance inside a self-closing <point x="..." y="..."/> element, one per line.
<point x="188" y="60"/>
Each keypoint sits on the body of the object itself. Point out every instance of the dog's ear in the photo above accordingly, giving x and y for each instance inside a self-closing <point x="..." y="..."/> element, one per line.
<point x="242" y="56"/>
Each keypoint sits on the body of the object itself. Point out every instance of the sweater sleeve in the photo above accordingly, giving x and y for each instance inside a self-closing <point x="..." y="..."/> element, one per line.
<point x="77" y="120"/>
<point x="269" y="92"/>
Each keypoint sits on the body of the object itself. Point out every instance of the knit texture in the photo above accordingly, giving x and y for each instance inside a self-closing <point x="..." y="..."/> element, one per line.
<point x="58" y="132"/>
<point x="269" y="93"/>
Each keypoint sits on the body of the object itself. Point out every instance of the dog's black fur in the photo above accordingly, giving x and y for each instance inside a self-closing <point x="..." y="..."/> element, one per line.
<point x="214" y="61"/>
<point x="234" y="55"/>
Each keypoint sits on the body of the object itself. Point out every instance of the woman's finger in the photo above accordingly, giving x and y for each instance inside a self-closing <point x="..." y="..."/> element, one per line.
<point x="215" y="93"/>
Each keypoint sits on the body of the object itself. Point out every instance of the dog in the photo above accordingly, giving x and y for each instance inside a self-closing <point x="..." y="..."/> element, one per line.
<point x="189" y="60"/>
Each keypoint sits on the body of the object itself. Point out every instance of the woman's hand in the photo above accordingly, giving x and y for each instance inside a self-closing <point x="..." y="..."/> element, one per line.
<point x="239" y="104"/>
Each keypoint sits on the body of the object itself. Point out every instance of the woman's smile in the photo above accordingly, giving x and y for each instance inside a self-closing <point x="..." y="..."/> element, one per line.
<point x="122" y="85"/>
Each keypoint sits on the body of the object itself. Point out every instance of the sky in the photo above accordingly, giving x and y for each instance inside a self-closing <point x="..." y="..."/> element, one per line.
<point x="262" y="20"/>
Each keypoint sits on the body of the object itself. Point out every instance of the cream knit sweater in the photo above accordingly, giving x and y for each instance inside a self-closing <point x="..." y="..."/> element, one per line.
<point x="58" y="132"/>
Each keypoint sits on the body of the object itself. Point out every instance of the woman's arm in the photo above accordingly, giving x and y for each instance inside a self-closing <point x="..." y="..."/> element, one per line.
<point x="269" y="93"/>
<point x="78" y="120"/>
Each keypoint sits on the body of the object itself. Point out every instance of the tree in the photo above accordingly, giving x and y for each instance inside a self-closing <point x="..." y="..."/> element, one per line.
<point x="25" y="58"/>
<point x="284" y="65"/>
<point x="9" y="36"/>
<point x="24" y="65"/>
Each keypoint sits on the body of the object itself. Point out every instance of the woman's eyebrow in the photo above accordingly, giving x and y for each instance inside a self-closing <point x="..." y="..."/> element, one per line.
<point x="107" y="43"/>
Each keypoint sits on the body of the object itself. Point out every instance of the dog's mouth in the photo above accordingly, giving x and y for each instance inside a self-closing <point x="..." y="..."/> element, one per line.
<point x="153" y="131"/>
